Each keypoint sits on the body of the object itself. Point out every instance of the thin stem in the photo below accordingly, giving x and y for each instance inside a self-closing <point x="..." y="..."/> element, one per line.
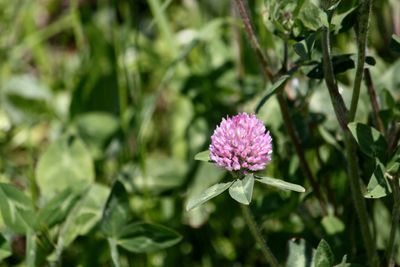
<point x="241" y="4"/>
<point x="374" y="101"/>
<point x="337" y="100"/>
<point x="394" y="137"/>
<point x="289" y="125"/>
<point x="341" y="115"/>
<point x="255" y="231"/>
<point x="362" y="34"/>
<point x="358" y="199"/>
<point x="395" y="221"/>
<point x="114" y="252"/>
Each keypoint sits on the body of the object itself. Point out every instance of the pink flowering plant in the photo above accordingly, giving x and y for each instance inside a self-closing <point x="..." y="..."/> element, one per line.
<point x="242" y="145"/>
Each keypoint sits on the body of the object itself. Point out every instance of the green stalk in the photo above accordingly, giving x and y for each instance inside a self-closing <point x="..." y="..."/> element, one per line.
<point x="30" y="248"/>
<point x="255" y="231"/>
<point x="362" y="34"/>
<point x="395" y="222"/>
<point x="114" y="252"/>
<point x="355" y="185"/>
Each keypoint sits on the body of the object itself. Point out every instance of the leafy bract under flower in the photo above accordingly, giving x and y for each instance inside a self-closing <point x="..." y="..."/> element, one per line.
<point x="241" y="143"/>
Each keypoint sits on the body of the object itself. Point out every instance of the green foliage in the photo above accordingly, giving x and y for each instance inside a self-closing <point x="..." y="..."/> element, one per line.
<point x="242" y="189"/>
<point x="65" y="163"/>
<point x="16" y="208"/>
<point x="208" y="194"/>
<point x="371" y="142"/>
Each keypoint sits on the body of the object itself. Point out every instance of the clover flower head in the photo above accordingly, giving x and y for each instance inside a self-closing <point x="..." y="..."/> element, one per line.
<point x="241" y="143"/>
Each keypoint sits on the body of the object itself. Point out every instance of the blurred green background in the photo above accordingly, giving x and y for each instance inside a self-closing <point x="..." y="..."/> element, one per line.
<point x="94" y="90"/>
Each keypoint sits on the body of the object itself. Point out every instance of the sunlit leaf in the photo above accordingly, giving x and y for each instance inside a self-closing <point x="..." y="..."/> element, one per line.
<point x="84" y="215"/>
<point x="323" y="255"/>
<point x="208" y="194"/>
<point x="144" y="237"/>
<point x="378" y="185"/>
<point x="203" y="156"/>
<point x="312" y="16"/>
<point x="65" y="163"/>
<point x="300" y="255"/>
<point x="332" y="225"/>
<point x="280" y="184"/>
<point x="16" y="208"/>
<point x="57" y="208"/>
<point x="242" y="189"/>
<point x="96" y="128"/>
<point x="25" y="99"/>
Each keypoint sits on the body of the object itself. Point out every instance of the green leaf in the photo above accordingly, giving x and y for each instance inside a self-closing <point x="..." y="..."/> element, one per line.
<point x="332" y="225"/>
<point x="83" y="216"/>
<point x="300" y="255"/>
<point x="271" y="91"/>
<point x="344" y="262"/>
<point x="57" y="208"/>
<point x="5" y="248"/>
<point x="25" y="99"/>
<point x="203" y="156"/>
<point x="370" y="140"/>
<point x="116" y="213"/>
<point x="16" y="209"/>
<point x="378" y="185"/>
<point x="96" y="128"/>
<point x="157" y="177"/>
<point x="114" y="251"/>
<point x="242" y="189"/>
<point x="323" y="255"/>
<point x="280" y="184"/>
<point x="300" y="50"/>
<point x="395" y="43"/>
<point x="208" y="194"/>
<point x="312" y="16"/>
<point x="341" y="63"/>
<point x="142" y="237"/>
<point x="65" y="163"/>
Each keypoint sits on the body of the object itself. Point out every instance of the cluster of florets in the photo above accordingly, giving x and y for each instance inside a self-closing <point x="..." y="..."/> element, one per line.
<point x="241" y="143"/>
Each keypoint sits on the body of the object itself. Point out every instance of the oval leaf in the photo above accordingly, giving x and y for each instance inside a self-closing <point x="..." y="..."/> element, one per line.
<point x="378" y="185"/>
<point x="116" y="212"/>
<point x="280" y="184"/>
<point x="242" y="190"/>
<point x="323" y="256"/>
<point x="370" y="140"/>
<point x="208" y="194"/>
<point x="203" y="156"/>
<point x="145" y="237"/>
<point x="65" y="163"/>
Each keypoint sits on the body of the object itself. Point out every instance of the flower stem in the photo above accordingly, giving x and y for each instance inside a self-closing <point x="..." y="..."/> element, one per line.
<point x="374" y="101"/>
<point x="255" y="231"/>
<point x="354" y="177"/>
<point x="395" y="221"/>
<point x="287" y="120"/>
<point x="362" y="34"/>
